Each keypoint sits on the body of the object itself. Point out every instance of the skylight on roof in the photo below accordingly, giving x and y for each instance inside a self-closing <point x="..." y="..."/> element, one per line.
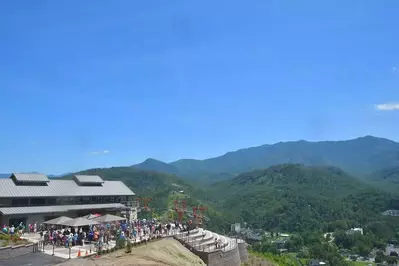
<point x="29" y="178"/>
<point x="88" y="180"/>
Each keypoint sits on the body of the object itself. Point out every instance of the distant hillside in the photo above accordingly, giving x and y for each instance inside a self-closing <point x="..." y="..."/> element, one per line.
<point x="161" y="188"/>
<point x="51" y="176"/>
<point x="155" y="185"/>
<point x="157" y="166"/>
<point x="390" y="175"/>
<point x="294" y="197"/>
<point x="386" y="179"/>
<point x="359" y="156"/>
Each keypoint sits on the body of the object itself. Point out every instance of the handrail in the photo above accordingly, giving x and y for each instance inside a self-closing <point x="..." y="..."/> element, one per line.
<point x="193" y="242"/>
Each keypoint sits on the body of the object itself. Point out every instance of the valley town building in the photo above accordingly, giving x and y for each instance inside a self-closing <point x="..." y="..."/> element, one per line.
<point x="34" y="198"/>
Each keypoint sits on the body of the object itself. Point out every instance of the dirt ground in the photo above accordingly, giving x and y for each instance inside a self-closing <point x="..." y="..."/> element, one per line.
<point x="166" y="252"/>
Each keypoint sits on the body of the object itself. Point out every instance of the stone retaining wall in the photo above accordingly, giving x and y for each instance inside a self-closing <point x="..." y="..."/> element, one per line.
<point x="224" y="258"/>
<point x="243" y="251"/>
<point x="218" y="257"/>
<point x="15" y="251"/>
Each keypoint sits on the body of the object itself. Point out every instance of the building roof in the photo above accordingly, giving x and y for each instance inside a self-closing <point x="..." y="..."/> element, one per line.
<point x="62" y="188"/>
<point x="30" y="177"/>
<point x="89" y="179"/>
<point x="58" y="208"/>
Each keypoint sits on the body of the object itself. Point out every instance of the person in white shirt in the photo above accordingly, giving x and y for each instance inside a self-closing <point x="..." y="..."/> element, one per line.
<point x="12" y="229"/>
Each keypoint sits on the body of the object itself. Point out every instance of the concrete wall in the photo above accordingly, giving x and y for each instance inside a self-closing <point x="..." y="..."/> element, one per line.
<point x="35" y="218"/>
<point x="31" y="218"/>
<point x="219" y="257"/>
<point x="227" y="258"/>
<point x="15" y="251"/>
<point x="243" y="250"/>
<point x="203" y="255"/>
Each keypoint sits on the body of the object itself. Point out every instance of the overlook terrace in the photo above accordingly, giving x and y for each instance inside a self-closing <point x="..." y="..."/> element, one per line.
<point x="30" y="198"/>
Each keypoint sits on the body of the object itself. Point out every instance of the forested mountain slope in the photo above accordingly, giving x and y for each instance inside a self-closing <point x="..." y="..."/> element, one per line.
<point x="155" y="185"/>
<point x="157" y="166"/>
<point x="162" y="188"/>
<point x="360" y="157"/>
<point x="294" y="197"/>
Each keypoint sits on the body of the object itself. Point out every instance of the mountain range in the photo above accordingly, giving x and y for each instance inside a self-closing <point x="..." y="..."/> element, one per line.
<point x="292" y="197"/>
<point x="360" y="157"/>
<point x="293" y="186"/>
<point x="367" y="157"/>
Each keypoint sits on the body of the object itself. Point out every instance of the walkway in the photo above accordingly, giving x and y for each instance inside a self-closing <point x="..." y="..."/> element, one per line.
<point x="204" y="240"/>
<point x="66" y="253"/>
<point x="33" y="259"/>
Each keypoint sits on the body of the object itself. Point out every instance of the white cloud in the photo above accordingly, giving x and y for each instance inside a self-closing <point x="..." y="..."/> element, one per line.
<point x="387" y="106"/>
<point x="99" y="152"/>
<point x="394" y="69"/>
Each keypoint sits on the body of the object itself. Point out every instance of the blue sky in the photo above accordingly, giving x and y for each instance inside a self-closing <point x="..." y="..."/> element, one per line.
<point x="106" y="83"/>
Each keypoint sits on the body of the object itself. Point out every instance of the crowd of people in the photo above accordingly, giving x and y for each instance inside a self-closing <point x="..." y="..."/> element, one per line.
<point x="102" y="234"/>
<point x="21" y="228"/>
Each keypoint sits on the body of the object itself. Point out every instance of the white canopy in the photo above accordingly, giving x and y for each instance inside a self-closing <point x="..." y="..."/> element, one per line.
<point x="59" y="220"/>
<point x="108" y="218"/>
<point x="79" y="222"/>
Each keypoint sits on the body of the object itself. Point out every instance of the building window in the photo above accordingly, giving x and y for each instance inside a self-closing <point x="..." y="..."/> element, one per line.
<point x="5" y="202"/>
<point x="86" y="200"/>
<point x="51" y="201"/>
<point x="20" y="202"/>
<point x="37" y="201"/>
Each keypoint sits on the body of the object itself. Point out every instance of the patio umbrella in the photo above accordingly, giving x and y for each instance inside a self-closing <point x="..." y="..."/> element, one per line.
<point x="79" y="222"/>
<point x="108" y="218"/>
<point x="59" y="220"/>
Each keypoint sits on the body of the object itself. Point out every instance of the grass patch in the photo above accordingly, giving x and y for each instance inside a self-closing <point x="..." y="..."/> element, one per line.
<point x="182" y="256"/>
<point x="11" y="240"/>
<point x="270" y="259"/>
<point x="362" y="263"/>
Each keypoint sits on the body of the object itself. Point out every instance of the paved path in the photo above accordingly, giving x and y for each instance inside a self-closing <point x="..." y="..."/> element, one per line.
<point x="72" y="253"/>
<point x="67" y="253"/>
<point x="33" y="259"/>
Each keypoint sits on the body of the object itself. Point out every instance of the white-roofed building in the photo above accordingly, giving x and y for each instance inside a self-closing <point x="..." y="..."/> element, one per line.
<point x="31" y="198"/>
